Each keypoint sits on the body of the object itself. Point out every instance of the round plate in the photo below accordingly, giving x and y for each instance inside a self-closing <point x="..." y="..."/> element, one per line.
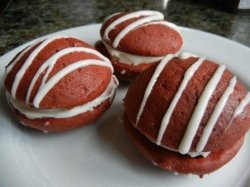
<point x="101" y="153"/>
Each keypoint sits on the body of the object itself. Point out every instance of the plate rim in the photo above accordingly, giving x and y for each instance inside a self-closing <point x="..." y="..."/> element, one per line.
<point x="16" y="49"/>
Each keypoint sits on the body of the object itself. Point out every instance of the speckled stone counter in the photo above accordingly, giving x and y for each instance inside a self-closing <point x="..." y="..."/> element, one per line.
<point x="24" y="20"/>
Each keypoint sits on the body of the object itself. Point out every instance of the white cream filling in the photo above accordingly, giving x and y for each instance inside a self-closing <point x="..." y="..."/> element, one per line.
<point x="131" y="59"/>
<point x="185" y="55"/>
<point x="191" y="154"/>
<point x="34" y="113"/>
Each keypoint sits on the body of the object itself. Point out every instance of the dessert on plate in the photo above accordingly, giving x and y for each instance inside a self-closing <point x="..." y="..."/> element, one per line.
<point x="59" y="83"/>
<point x="134" y="41"/>
<point x="188" y="115"/>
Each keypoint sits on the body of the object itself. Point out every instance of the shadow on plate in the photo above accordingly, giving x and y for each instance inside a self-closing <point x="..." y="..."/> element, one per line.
<point x="111" y="131"/>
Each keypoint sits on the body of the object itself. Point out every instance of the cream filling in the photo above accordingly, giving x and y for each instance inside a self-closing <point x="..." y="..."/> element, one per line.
<point x="34" y="113"/>
<point x="191" y="154"/>
<point x="185" y="55"/>
<point x="131" y="59"/>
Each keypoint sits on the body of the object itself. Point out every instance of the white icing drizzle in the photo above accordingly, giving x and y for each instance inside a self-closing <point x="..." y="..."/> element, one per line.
<point x="133" y="25"/>
<point x="151" y="16"/>
<point x="215" y="115"/>
<point x="46" y="87"/>
<point x="196" y="154"/>
<point x="34" y="113"/>
<point x="187" y="77"/>
<point x="29" y="61"/>
<point x="125" y="18"/>
<point x="164" y="23"/>
<point x="185" y="55"/>
<point x="131" y="59"/>
<point x="191" y="154"/>
<point x="50" y="63"/>
<point x="111" y="16"/>
<point x="199" y="111"/>
<point x="151" y="84"/>
<point x="200" y="108"/>
<point x="10" y="67"/>
<point x="241" y="106"/>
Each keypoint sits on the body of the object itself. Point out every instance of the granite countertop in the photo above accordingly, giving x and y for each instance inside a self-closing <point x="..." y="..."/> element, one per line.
<point x="24" y="20"/>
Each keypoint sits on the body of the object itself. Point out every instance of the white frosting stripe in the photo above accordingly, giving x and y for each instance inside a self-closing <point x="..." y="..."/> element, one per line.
<point x="187" y="77"/>
<point x="164" y="23"/>
<point x="28" y="62"/>
<point x="199" y="110"/>
<point x="34" y="113"/>
<point x="133" y="25"/>
<point x="240" y="108"/>
<point x="215" y="115"/>
<point x="150" y="86"/>
<point x="49" y="64"/>
<point x="48" y="84"/>
<point x="127" y="17"/>
<point x="149" y="17"/>
<point x="191" y="154"/>
<point x="10" y="67"/>
<point x="111" y="16"/>
<point x="196" y="154"/>
<point x="185" y="55"/>
<point x="45" y="88"/>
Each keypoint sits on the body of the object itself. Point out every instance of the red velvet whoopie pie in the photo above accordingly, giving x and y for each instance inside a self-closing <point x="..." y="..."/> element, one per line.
<point x="187" y="115"/>
<point x="59" y="83"/>
<point x="134" y="41"/>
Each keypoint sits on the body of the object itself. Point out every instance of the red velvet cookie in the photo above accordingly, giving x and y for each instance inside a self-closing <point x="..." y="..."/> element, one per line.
<point x="134" y="41"/>
<point x="187" y="108"/>
<point x="59" y="83"/>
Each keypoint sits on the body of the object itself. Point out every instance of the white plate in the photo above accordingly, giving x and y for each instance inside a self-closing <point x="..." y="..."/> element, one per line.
<point x="101" y="154"/>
